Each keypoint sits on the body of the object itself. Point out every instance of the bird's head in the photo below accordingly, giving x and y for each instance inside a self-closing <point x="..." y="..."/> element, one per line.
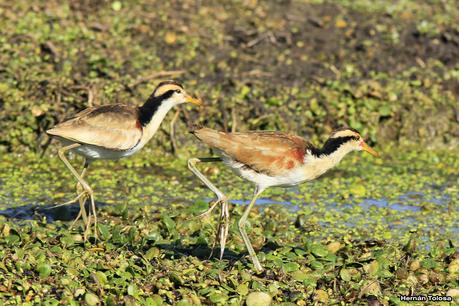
<point x="351" y="140"/>
<point x="173" y="92"/>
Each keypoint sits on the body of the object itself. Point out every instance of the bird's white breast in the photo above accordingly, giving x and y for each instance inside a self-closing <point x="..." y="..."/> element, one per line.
<point x="96" y="152"/>
<point x="290" y="178"/>
<point x="311" y="168"/>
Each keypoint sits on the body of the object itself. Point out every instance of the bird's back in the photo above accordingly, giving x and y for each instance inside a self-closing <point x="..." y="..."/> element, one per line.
<point x="272" y="153"/>
<point x="114" y="127"/>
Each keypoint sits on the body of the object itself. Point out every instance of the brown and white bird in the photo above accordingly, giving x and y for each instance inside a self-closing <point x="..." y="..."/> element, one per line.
<point x="271" y="159"/>
<point x="112" y="132"/>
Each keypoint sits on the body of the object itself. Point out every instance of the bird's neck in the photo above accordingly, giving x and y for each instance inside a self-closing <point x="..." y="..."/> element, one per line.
<point x="332" y="152"/>
<point x="151" y="114"/>
<point x="336" y="147"/>
<point x="334" y="157"/>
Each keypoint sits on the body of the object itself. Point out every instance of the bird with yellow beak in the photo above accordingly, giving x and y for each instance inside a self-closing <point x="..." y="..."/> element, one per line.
<point x="112" y="132"/>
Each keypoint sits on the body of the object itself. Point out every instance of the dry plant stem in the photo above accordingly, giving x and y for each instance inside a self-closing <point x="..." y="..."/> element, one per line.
<point x="234" y="120"/>
<point x="223" y="225"/>
<point x="84" y="185"/>
<point x="172" y="131"/>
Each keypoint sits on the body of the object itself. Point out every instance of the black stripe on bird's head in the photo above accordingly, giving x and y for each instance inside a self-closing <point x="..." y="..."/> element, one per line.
<point x="169" y="93"/>
<point x="338" y="138"/>
<point x="166" y="86"/>
<point x="347" y="140"/>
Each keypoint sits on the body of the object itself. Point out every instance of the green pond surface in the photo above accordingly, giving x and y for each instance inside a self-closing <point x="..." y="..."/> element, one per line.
<point x="387" y="198"/>
<point x="397" y="212"/>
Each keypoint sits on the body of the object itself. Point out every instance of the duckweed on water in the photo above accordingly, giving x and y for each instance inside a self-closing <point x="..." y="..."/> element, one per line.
<point x="341" y="238"/>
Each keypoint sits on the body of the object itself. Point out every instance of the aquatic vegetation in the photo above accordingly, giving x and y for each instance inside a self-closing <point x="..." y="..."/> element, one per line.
<point x="326" y="241"/>
<point x="366" y="232"/>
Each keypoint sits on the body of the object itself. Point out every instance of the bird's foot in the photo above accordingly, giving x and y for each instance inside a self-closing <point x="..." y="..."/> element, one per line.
<point x="74" y="200"/>
<point x="210" y="209"/>
<point x="223" y="229"/>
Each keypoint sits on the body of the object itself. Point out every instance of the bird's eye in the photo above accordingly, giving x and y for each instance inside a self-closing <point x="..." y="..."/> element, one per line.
<point x="178" y="91"/>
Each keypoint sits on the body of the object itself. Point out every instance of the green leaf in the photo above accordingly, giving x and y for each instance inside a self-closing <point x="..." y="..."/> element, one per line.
<point x="132" y="290"/>
<point x="44" y="270"/>
<point x="91" y="299"/>
<point x="104" y="231"/>
<point x="358" y="190"/>
<point x="242" y="289"/>
<point x="299" y="275"/>
<point x="385" y="110"/>
<point x="13" y="239"/>
<point x="345" y="275"/>
<point x="101" y="277"/>
<point x="317" y="265"/>
<point x="290" y="267"/>
<point x="319" y="250"/>
<point x="170" y="224"/>
<point x="152" y="253"/>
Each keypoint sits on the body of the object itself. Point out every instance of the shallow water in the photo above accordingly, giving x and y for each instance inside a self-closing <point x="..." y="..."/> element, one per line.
<point x="363" y="197"/>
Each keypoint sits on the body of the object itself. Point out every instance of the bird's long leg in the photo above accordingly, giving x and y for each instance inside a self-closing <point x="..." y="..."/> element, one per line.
<point x="93" y="206"/>
<point x="83" y="196"/>
<point x="83" y="183"/>
<point x="223" y="226"/>
<point x="242" y="223"/>
<point x="80" y="194"/>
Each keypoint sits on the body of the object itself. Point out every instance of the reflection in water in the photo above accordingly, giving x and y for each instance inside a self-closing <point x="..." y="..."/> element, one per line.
<point x="52" y="213"/>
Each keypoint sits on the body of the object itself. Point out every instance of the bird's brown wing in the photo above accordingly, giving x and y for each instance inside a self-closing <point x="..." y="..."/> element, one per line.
<point x="113" y="127"/>
<point x="272" y="153"/>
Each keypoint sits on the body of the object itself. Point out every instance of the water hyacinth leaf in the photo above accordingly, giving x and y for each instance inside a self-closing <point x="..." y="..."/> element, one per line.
<point x="13" y="239"/>
<point x="67" y="240"/>
<point x="133" y="290"/>
<point x="44" y="270"/>
<point x="258" y="299"/>
<point x="91" y="299"/>
<point x="385" y="110"/>
<point x="101" y="278"/>
<point x="319" y="250"/>
<point x="374" y="268"/>
<point x="218" y="297"/>
<point x="155" y="300"/>
<point x="310" y="281"/>
<point x="429" y="263"/>
<point x="290" y="267"/>
<point x="184" y="302"/>
<point x="170" y="224"/>
<point x="198" y="207"/>
<point x="242" y="289"/>
<point x="299" y="275"/>
<point x="345" y="275"/>
<point x="104" y="231"/>
<point x="152" y="253"/>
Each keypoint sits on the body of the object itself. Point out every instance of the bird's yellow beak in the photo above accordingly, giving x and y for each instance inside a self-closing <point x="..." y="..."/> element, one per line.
<point x="193" y="100"/>
<point x="368" y="149"/>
